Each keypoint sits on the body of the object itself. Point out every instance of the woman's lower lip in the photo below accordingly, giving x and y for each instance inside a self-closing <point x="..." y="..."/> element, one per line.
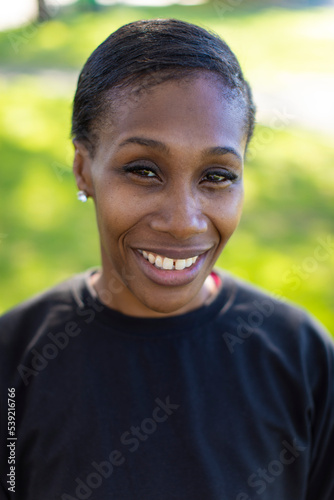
<point x="170" y="277"/>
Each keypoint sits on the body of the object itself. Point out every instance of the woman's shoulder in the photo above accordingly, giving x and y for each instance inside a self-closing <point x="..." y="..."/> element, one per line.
<point x="46" y="306"/>
<point x="255" y="313"/>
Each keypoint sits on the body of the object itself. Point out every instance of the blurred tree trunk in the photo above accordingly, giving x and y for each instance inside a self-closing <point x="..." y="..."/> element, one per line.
<point x="43" y="14"/>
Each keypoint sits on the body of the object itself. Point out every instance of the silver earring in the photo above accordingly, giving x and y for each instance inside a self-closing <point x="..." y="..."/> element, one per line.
<point x="82" y="196"/>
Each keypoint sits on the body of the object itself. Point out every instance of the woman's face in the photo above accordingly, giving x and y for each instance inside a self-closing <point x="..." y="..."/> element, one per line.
<point x="167" y="184"/>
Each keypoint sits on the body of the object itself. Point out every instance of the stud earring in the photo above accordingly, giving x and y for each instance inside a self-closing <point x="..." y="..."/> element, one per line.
<point x="82" y="196"/>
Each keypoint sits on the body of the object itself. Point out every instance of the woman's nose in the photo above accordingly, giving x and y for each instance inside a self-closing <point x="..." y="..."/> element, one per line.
<point x="180" y="214"/>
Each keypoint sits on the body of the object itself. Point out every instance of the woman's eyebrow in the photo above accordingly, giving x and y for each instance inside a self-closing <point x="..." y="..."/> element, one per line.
<point x="143" y="141"/>
<point x="220" y="151"/>
<point x="152" y="143"/>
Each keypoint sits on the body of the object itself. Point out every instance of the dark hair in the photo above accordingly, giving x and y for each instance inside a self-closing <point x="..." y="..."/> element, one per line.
<point x="146" y="53"/>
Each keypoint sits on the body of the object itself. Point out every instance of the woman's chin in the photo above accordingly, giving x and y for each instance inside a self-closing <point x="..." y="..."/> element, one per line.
<point x="170" y="303"/>
<point x="165" y="309"/>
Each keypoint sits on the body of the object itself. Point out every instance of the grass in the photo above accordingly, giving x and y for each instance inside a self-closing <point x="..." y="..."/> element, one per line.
<point x="46" y="235"/>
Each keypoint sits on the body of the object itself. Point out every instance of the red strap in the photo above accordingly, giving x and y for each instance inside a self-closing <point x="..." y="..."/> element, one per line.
<point x="216" y="278"/>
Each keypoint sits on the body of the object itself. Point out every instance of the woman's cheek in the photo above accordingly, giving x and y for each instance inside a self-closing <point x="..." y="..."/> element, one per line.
<point x="229" y="207"/>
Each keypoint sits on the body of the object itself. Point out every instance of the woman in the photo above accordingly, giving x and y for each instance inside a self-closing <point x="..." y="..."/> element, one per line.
<point x="157" y="377"/>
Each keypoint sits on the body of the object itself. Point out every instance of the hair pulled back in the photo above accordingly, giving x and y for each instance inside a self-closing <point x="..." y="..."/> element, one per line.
<point x="146" y="53"/>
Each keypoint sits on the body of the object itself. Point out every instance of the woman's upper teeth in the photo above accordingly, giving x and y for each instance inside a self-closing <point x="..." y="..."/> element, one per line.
<point x="163" y="262"/>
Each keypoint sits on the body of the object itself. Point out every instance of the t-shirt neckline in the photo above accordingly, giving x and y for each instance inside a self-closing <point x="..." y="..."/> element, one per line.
<point x="94" y="310"/>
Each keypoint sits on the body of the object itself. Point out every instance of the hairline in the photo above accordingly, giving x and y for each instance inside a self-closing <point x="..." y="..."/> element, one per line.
<point x="131" y="89"/>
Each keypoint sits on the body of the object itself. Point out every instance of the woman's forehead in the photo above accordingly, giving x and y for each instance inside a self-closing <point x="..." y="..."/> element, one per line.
<point x="201" y="98"/>
<point x="197" y="111"/>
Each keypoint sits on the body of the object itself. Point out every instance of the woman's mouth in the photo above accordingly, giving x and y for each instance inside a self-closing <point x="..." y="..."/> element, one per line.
<point x="167" y="263"/>
<point x="167" y="270"/>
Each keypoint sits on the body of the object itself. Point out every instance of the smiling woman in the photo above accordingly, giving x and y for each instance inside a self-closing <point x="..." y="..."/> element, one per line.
<point x="226" y="391"/>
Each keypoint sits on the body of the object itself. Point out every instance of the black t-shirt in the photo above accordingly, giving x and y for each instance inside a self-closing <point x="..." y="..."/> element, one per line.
<point x="231" y="401"/>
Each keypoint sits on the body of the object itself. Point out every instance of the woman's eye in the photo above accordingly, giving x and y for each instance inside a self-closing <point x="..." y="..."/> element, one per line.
<point x="141" y="171"/>
<point x="220" y="177"/>
<point x="145" y="172"/>
<point x="215" y="177"/>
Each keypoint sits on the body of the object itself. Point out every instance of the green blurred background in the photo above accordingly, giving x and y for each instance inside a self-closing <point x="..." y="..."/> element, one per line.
<point x="285" y="241"/>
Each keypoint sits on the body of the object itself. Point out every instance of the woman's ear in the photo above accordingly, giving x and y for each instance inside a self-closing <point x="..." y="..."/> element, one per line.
<point x="82" y="164"/>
